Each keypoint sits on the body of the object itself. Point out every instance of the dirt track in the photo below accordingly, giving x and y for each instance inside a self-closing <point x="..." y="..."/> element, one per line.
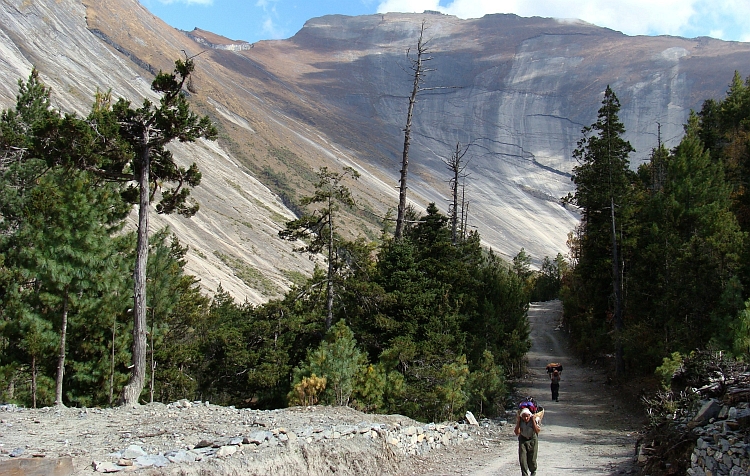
<point x="588" y="432"/>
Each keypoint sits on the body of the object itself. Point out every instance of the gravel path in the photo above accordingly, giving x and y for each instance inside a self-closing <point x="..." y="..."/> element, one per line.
<point x="588" y="432"/>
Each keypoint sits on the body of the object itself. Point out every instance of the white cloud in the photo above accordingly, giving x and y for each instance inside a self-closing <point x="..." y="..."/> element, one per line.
<point x="271" y="30"/>
<point x="270" y="27"/>
<point x="633" y="17"/>
<point x="266" y="5"/>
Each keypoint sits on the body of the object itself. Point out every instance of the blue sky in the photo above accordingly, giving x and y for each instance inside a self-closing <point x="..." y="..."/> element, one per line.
<point x="253" y="20"/>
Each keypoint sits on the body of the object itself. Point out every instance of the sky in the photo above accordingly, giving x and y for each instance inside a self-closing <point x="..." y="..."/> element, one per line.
<point x="254" y="20"/>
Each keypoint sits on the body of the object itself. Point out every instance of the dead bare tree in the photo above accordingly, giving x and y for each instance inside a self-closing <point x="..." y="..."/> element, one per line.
<point x="419" y="70"/>
<point x="457" y="168"/>
<point x="464" y="214"/>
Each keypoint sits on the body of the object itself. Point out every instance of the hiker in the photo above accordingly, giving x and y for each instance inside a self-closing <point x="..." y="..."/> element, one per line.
<point x="527" y="429"/>
<point x="555" y="384"/>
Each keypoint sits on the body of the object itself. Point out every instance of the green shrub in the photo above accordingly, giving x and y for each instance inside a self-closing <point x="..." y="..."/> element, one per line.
<point x="668" y="368"/>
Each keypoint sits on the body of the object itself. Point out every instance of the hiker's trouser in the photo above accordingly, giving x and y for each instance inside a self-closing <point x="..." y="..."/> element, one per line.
<point x="555" y="390"/>
<point x="527" y="454"/>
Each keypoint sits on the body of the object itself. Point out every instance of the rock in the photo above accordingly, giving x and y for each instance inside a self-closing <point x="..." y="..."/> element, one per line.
<point x="257" y="437"/>
<point x="709" y="410"/>
<point x="17" y="452"/>
<point x="225" y="451"/>
<point x="152" y="460"/>
<point x="106" y="467"/>
<point x="38" y="466"/>
<point x="204" y="444"/>
<point x="133" y="452"/>
<point x="743" y="417"/>
<point x="180" y="456"/>
<point x="471" y="419"/>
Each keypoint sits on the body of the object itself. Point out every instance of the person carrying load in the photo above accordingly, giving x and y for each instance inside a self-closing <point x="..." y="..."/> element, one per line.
<point x="554" y="370"/>
<point x="528" y="426"/>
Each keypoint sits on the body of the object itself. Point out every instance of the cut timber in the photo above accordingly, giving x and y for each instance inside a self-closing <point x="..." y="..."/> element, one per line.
<point x="37" y="467"/>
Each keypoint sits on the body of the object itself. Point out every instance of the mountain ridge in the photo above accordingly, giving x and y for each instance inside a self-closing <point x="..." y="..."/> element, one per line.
<point x="332" y="96"/>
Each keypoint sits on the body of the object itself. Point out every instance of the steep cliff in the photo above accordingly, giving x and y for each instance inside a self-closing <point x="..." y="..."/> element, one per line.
<point x="519" y="90"/>
<point x="232" y="239"/>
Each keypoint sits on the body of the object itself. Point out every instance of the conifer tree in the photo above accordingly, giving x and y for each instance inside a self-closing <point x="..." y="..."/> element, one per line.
<point x="603" y="185"/>
<point x="68" y="251"/>
<point x="128" y="144"/>
<point x="689" y="256"/>
<point x="337" y="359"/>
<point x="58" y="224"/>
<point x="319" y="227"/>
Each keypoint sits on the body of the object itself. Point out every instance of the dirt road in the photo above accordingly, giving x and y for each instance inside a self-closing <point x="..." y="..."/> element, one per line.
<point x="588" y="432"/>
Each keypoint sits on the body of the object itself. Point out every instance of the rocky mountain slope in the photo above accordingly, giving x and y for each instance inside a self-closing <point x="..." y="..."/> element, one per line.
<point x="335" y="95"/>
<point x="520" y="91"/>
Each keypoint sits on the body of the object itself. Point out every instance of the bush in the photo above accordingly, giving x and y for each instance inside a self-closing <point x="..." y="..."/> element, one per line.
<point x="307" y="391"/>
<point x="669" y="367"/>
<point x="338" y="360"/>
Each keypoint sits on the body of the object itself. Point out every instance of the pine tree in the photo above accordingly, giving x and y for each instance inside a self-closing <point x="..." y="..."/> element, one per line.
<point x="338" y="360"/>
<point x="603" y="185"/>
<point x="68" y="250"/>
<point x="320" y="226"/>
<point x="58" y="225"/>
<point x="128" y="144"/>
<point x="689" y="256"/>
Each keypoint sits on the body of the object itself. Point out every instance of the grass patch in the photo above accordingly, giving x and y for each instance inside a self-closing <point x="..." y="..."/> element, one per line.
<point x="249" y="275"/>
<point x="246" y="223"/>
<point x="297" y="278"/>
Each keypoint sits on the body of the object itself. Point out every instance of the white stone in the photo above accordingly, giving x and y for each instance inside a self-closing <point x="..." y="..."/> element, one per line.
<point x="225" y="451"/>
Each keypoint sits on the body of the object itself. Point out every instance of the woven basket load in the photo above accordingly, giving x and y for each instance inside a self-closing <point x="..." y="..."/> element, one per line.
<point x="552" y="366"/>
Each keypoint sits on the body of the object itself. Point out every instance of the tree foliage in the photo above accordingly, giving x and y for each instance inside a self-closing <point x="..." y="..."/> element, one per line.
<point x="320" y="227"/>
<point x="681" y="240"/>
<point x="428" y="325"/>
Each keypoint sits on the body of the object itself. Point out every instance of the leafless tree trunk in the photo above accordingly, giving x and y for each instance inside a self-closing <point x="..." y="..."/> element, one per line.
<point x="132" y="391"/>
<point x="417" y="66"/>
<point x="33" y="382"/>
<point x="61" y="354"/>
<point x="456" y="168"/>
<point x="617" y="284"/>
<point x="329" y="284"/>
<point x="464" y="213"/>
<point x="153" y="362"/>
<point x="112" y="362"/>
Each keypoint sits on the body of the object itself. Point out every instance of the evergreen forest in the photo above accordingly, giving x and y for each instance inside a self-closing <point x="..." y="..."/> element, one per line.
<point x="659" y="264"/>
<point x="429" y="324"/>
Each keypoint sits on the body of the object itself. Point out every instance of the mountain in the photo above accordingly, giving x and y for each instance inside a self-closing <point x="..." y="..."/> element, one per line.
<point x="518" y="90"/>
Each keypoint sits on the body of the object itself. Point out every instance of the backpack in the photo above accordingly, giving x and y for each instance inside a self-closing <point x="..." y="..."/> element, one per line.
<point x="529" y="403"/>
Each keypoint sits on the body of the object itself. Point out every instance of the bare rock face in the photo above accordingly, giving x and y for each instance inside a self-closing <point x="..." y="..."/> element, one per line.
<point x="519" y="90"/>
